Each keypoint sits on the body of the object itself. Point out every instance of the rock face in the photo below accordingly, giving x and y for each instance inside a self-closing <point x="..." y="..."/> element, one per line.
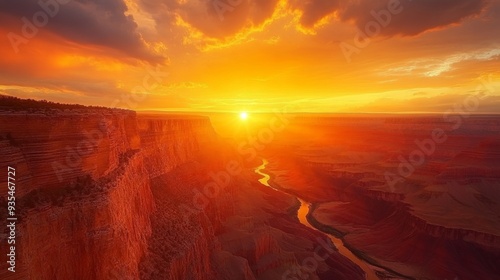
<point x="108" y="194"/>
<point x="83" y="187"/>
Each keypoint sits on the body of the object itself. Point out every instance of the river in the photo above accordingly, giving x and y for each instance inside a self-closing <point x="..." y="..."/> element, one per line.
<point x="302" y="216"/>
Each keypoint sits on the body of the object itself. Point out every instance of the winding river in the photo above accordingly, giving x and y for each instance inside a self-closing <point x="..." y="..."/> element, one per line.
<point x="302" y="216"/>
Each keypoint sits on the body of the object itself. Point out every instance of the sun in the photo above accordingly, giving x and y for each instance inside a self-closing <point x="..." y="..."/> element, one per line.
<point x="243" y="115"/>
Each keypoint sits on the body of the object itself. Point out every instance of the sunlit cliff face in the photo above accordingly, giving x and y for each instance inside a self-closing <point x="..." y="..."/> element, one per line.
<point x="333" y="56"/>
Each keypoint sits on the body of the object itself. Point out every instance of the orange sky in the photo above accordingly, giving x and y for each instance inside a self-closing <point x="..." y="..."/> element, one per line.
<point x="257" y="55"/>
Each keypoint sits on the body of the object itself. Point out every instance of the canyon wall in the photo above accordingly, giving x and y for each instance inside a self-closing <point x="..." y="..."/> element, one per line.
<point x="83" y="188"/>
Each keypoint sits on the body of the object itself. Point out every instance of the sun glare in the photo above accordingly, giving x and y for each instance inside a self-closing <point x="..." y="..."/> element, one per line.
<point x="243" y="115"/>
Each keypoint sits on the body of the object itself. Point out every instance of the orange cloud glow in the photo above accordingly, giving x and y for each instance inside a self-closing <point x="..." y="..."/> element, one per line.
<point x="254" y="55"/>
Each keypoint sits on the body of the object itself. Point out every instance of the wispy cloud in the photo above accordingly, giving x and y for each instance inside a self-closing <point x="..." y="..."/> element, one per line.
<point x="433" y="67"/>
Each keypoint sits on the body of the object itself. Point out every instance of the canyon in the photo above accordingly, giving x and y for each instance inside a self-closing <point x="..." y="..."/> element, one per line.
<point x="115" y="194"/>
<point x="112" y="194"/>
<point x="439" y="221"/>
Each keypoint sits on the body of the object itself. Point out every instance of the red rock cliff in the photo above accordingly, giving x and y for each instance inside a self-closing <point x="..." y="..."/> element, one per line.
<point x="83" y="189"/>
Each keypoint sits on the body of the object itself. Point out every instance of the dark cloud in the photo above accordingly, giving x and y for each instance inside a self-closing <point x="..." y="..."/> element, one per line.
<point x="415" y="16"/>
<point x="93" y="22"/>
<point x="314" y="10"/>
<point x="104" y="23"/>
<point x="213" y="18"/>
<point x="220" y="18"/>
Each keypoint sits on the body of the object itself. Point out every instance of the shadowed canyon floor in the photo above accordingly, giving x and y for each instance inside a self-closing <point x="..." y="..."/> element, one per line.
<point x="302" y="216"/>
<point x="426" y="210"/>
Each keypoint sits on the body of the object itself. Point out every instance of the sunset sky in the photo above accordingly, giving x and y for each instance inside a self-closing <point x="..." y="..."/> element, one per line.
<point x="253" y="55"/>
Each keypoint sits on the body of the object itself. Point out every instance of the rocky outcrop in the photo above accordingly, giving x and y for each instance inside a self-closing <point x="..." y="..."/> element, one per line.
<point x="54" y="150"/>
<point x="85" y="233"/>
<point x="84" y="190"/>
